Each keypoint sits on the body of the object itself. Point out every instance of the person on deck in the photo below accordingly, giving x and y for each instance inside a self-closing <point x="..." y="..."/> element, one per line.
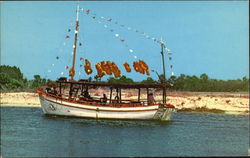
<point x="151" y="99"/>
<point x="54" y="91"/>
<point x="86" y="95"/>
<point x="116" y="99"/>
<point x="104" y="99"/>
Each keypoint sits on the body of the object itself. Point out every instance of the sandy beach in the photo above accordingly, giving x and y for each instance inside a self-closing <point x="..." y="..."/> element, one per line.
<point x="218" y="102"/>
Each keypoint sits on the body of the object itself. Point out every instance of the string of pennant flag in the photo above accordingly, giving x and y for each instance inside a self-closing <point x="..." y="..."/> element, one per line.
<point x="102" y="19"/>
<point x="111" y="20"/>
<point x="107" y="24"/>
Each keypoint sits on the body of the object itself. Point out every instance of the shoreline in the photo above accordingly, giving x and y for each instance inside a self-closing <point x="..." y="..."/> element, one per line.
<point x="192" y="102"/>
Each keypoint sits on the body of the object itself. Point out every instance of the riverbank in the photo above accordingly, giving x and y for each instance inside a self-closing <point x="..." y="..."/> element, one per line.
<point x="202" y="102"/>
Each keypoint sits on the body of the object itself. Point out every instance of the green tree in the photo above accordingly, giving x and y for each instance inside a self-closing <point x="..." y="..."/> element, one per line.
<point x="161" y="78"/>
<point x="122" y="79"/>
<point x="38" y="81"/>
<point x="97" y="78"/>
<point x="149" y="80"/>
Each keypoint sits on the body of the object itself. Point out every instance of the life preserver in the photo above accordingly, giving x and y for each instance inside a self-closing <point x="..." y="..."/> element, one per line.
<point x="102" y="64"/>
<point x="100" y="72"/>
<point x="144" y="66"/>
<point x="108" y="68"/>
<point x="115" y="70"/>
<point x="137" y="67"/>
<point x="126" y="65"/>
<point x="141" y="67"/>
<point x="87" y="67"/>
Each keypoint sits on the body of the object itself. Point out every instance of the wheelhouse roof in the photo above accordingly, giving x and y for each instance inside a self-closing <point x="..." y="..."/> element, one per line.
<point x="115" y="85"/>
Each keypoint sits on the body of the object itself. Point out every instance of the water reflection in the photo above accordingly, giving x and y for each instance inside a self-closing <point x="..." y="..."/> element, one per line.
<point x="109" y="122"/>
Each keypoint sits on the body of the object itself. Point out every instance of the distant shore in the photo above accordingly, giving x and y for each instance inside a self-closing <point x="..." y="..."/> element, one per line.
<point x="202" y="102"/>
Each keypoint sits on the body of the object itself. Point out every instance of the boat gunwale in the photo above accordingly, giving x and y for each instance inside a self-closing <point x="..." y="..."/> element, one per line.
<point x="100" y="108"/>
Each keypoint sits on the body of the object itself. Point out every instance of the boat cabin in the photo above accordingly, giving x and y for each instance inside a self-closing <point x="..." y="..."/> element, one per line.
<point x="79" y="92"/>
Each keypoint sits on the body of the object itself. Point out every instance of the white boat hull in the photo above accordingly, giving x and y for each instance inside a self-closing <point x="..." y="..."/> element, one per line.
<point x="55" y="106"/>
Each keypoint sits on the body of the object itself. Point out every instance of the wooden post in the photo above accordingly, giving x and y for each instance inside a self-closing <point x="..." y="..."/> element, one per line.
<point x="60" y="90"/>
<point x="117" y="94"/>
<point x="70" y="90"/>
<point x="111" y="89"/>
<point x="147" y="96"/>
<point x="139" y="94"/>
<point x="82" y="89"/>
<point x="164" y="95"/>
<point x="120" y="90"/>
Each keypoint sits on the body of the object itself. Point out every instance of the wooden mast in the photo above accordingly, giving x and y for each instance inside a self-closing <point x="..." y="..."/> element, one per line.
<point x="72" y="69"/>
<point x="164" y="72"/>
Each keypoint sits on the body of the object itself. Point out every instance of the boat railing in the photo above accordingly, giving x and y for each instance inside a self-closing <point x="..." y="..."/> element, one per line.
<point x="110" y="102"/>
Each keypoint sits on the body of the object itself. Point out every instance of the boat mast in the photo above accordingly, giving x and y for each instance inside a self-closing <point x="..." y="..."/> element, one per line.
<point x="72" y="69"/>
<point x="163" y="61"/>
<point x="164" y="71"/>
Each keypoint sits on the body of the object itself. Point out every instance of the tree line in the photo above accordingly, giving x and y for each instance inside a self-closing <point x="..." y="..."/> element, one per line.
<point x="12" y="79"/>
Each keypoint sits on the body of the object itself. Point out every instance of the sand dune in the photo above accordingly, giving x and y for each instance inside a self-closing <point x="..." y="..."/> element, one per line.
<point x="233" y="103"/>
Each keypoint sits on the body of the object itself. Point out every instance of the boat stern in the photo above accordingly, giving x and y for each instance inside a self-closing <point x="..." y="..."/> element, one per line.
<point x="164" y="112"/>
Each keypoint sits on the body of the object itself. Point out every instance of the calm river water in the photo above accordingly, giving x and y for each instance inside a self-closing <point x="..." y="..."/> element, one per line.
<point x="27" y="132"/>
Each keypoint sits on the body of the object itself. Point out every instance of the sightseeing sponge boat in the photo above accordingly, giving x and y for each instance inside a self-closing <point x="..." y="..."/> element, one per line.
<point x="54" y="101"/>
<point x="71" y="98"/>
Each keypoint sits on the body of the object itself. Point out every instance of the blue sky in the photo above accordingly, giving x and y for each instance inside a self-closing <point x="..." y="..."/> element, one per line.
<point x="204" y="36"/>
